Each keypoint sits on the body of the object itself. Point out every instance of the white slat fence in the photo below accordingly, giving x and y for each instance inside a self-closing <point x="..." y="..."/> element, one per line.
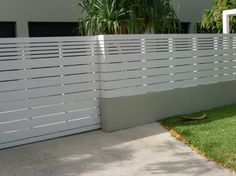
<point x="51" y="87"/>
<point x="138" y="64"/>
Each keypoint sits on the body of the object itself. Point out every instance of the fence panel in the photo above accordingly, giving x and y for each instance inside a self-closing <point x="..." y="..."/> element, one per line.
<point x="49" y="87"/>
<point x="137" y="64"/>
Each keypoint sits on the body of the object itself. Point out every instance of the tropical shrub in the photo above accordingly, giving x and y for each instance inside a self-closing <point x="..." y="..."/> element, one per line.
<point x="127" y="16"/>
<point x="212" y="18"/>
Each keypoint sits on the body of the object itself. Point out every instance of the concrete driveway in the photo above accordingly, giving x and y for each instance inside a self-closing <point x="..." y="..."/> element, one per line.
<point x="141" y="151"/>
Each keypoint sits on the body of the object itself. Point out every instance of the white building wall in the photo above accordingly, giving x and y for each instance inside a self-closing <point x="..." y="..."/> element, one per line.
<point x="24" y="11"/>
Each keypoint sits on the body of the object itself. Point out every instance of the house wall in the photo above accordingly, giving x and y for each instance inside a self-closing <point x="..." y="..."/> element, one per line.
<point x="23" y="11"/>
<point x="191" y="11"/>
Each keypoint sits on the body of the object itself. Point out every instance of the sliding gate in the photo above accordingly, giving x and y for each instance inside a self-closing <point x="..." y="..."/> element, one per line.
<point x="49" y="87"/>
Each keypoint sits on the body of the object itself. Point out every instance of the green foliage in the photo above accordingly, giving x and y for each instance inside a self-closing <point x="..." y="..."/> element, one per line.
<point x="127" y="16"/>
<point x="213" y="136"/>
<point x="102" y="16"/>
<point x="212" y="18"/>
<point x="165" y="19"/>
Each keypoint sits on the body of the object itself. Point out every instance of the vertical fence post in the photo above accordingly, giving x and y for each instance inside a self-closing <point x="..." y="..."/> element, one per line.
<point x="24" y="59"/>
<point x="225" y="22"/>
<point x="143" y="51"/>
<point x="93" y="54"/>
<point x="23" y="54"/>
<point x="194" y="41"/>
<point x="101" y="56"/>
<point x="231" y="47"/>
<point x="171" y="49"/>
<point x="225" y="43"/>
<point x="60" y="57"/>
<point x="234" y="54"/>
<point x="233" y="43"/>
<point x="216" y="43"/>
<point x="143" y="47"/>
<point x="226" y="46"/>
<point x="60" y="50"/>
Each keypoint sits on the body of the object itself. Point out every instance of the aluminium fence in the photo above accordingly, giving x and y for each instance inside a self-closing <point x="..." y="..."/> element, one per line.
<point x="51" y="87"/>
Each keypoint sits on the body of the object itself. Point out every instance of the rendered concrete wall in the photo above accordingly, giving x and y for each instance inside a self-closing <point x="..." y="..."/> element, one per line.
<point x="24" y="11"/>
<point x="124" y="112"/>
<point x="191" y="11"/>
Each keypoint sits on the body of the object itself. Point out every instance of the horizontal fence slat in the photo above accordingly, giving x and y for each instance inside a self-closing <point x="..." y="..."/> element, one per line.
<point x="37" y="63"/>
<point x="164" y="78"/>
<point x="48" y="39"/>
<point x="32" y="122"/>
<point x="48" y="81"/>
<point x="130" y="91"/>
<point x="44" y="130"/>
<point x="43" y="111"/>
<point x="47" y="91"/>
<point x="162" y="63"/>
<point x="47" y="72"/>
<point x="50" y="100"/>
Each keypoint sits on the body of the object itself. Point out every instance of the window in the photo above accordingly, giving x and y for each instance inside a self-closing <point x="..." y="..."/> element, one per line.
<point x="7" y="29"/>
<point x="52" y="29"/>
<point x="185" y="27"/>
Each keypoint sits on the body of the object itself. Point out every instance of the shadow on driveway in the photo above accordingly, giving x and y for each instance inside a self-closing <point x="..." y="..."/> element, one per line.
<point x="140" y="151"/>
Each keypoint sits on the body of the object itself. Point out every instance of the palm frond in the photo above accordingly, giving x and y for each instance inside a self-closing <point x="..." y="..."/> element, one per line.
<point x="123" y="16"/>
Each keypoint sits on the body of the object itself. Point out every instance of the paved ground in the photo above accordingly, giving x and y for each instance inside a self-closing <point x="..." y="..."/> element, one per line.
<point x="142" y="151"/>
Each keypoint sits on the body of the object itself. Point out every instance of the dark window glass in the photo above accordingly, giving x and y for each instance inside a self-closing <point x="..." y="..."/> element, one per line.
<point x="185" y="27"/>
<point x="52" y="29"/>
<point x="7" y="29"/>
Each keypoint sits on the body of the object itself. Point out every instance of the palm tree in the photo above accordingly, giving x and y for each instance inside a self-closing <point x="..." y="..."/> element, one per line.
<point x="127" y="16"/>
<point x="102" y="16"/>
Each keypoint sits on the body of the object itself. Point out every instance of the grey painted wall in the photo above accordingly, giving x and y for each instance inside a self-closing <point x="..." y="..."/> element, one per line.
<point x="125" y="112"/>
<point x="191" y="11"/>
<point x="23" y="11"/>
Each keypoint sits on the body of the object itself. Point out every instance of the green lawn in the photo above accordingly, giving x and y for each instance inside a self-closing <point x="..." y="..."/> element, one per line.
<point x="215" y="137"/>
